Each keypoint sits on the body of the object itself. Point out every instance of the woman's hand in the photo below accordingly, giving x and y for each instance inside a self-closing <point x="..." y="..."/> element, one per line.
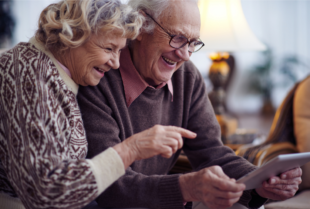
<point x="158" y="140"/>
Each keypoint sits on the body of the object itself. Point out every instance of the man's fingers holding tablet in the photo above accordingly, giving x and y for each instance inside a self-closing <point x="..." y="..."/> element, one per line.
<point x="277" y="181"/>
<point x="291" y="174"/>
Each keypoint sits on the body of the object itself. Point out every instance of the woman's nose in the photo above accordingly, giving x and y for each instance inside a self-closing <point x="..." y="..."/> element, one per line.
<point x="114" y="62"/>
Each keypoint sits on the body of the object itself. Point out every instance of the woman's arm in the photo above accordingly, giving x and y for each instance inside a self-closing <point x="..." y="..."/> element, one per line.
<point x="158" y="140"/>
<point x="38" y="120"/>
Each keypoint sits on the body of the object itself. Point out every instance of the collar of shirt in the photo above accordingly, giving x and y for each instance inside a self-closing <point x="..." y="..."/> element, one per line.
<point x="66" y="78"/>
<point x="134" y="84"/>
<point x="65" y="69"/>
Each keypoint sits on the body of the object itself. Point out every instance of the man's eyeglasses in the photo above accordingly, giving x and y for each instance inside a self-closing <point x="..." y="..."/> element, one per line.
<point x="178" y="41"/>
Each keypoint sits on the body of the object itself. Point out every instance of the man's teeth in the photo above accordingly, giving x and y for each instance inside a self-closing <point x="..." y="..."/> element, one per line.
<point x="171" y="62"/>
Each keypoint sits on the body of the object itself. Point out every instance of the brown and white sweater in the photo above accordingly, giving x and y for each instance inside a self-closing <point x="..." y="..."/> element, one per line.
<point x="42" y="139"/>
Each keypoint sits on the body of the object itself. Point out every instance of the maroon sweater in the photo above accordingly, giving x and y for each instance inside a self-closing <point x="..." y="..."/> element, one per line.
<point x="109" y="121"/>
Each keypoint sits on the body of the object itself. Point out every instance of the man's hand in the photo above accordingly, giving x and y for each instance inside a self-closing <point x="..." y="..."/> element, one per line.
<point x="212" y="187"/>
<point x="283" y="187"/>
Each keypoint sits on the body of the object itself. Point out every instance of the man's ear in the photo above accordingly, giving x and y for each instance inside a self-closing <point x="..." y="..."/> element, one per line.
<point x="142" y="12"/>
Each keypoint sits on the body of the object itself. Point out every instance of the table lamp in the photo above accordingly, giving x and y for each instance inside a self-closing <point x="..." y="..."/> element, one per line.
<point x="224" y="29"/>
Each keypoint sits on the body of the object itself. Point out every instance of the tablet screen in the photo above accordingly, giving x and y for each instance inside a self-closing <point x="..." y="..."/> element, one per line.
<point x="274" y="167"/>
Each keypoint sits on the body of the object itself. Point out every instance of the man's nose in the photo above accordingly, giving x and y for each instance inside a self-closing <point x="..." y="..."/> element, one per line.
<point x="183" y="53"/>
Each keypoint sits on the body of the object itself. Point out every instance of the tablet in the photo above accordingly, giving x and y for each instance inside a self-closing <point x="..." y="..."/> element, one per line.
<point x="274" y="167"/>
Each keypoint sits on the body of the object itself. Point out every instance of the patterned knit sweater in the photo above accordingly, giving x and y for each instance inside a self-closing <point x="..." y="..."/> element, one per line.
<point x="42" y="138"/>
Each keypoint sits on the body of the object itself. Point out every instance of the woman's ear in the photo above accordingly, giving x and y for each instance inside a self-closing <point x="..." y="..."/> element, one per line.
<point x="139" y="37"/>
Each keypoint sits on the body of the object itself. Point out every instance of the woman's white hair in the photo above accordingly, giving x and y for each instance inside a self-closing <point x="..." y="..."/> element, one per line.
<point x="69" y="23"/>
<point x="153" y="8"/>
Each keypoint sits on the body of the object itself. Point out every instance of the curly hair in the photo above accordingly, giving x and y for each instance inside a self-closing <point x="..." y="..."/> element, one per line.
<point x="69" y="23"/>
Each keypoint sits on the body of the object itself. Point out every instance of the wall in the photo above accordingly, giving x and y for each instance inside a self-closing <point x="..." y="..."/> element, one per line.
<point x="282" y="24"/>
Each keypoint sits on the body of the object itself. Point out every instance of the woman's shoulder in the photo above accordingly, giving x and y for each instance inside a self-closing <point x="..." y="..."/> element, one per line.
<point x="24" y="53"/>
<point x="26" y="64"/>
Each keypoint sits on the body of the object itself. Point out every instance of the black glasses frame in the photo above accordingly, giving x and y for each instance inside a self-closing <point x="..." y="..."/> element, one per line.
<point x="172" y="36"/>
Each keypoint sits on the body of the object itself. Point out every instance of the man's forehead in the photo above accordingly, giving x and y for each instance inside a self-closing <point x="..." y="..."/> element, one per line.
<point x="181" y="18"/>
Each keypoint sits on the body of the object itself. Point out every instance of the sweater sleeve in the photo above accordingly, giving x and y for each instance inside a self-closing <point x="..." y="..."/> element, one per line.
<point x="34" y="133"/>
<point x="207" y="149"/>
<point x="134" y="189"/>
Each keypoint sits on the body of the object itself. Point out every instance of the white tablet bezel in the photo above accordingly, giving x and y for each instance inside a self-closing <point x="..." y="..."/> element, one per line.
<point x="274" y="167"/>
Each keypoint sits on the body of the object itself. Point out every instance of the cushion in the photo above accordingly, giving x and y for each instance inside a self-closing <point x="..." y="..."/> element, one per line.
<point x="301" y="109"/>
<point x="300" y="201"/>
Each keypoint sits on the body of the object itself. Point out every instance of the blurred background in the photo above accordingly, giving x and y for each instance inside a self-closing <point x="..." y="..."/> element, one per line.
<point x="260" y="78"/>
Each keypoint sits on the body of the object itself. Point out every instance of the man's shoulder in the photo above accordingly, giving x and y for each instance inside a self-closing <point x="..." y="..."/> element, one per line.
<point x="111" y="82"/>
<point x="111" y="79"/>
<point x="189" y="71"/>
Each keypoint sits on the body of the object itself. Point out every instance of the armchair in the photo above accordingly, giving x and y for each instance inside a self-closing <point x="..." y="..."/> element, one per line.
<point x="289" y="133"/>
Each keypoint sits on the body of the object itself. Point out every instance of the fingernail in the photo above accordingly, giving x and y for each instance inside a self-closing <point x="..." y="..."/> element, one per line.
<point x="194" y="134"/>
<point x="272" y="181"/>
<point x="284" y="176"/>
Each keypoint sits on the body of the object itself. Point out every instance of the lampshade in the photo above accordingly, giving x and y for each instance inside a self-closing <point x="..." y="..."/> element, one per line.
<point x="224" y="27"/>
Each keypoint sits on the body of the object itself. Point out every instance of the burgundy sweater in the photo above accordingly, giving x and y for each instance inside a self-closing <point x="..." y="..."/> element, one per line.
<point x="108" y="121"/>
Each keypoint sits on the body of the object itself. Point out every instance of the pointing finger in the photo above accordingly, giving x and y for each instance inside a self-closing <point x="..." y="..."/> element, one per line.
<point x="184" y="132"/>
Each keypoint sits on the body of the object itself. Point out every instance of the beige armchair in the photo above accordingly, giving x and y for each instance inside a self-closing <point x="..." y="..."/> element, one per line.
<point x="290" y="133"/>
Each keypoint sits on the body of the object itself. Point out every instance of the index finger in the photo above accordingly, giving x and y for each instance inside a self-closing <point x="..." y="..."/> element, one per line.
<point x="291" y="174"/>
<point x="184" y="132"/>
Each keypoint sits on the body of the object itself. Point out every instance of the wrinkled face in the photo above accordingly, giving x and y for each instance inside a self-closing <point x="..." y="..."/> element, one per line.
<point x="158" y="60"/>
<point x="98" y="55"/>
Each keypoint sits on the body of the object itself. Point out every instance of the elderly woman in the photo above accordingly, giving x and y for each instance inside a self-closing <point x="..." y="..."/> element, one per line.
<point x="42" y="139"/>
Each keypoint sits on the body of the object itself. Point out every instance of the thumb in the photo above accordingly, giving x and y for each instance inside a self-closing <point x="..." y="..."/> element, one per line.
<point x="218" y="171"/>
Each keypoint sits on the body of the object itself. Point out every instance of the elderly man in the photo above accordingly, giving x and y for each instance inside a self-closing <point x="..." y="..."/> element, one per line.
<point x="157" y="84"/>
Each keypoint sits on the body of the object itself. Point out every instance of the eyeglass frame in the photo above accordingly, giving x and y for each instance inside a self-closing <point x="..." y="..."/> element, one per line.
<point x="172" y="36"/>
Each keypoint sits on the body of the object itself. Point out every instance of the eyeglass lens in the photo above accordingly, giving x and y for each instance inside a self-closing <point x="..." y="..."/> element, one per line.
<point x="180" y="41"/>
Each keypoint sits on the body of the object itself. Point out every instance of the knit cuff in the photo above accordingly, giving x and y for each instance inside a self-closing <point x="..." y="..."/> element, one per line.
<point x="107" y="167"/>
<point x="170" y="195"/>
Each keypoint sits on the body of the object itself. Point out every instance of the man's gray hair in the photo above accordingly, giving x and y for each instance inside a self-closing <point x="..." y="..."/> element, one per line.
<point x="153" y="8"/>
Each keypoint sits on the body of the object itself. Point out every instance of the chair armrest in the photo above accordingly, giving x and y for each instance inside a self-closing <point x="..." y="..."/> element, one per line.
<point x="262" y="154"/>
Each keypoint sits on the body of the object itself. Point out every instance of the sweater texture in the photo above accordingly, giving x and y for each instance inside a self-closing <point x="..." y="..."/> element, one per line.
<point x="42" y="138"/>
<point x="146" y="183"/>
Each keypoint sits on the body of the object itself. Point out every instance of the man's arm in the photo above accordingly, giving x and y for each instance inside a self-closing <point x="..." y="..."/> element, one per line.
<point x="134" y="189"/>
<point x="207" y="151"/>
